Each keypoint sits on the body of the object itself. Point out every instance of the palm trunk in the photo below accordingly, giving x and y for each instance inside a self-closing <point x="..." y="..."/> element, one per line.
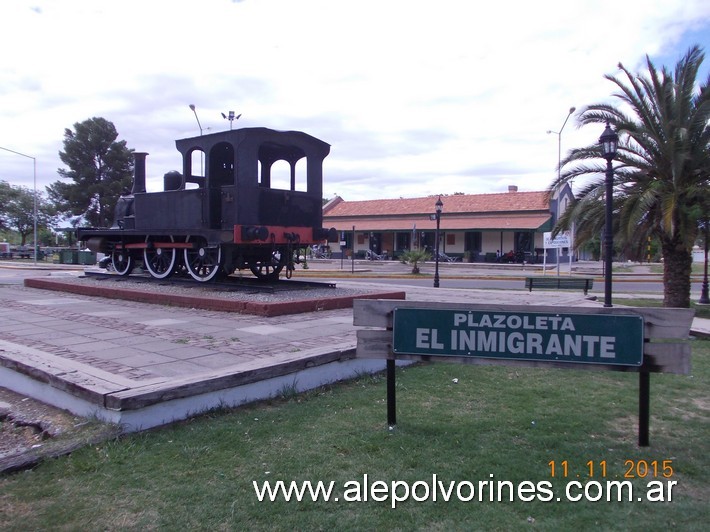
<point x="677" y="265"/>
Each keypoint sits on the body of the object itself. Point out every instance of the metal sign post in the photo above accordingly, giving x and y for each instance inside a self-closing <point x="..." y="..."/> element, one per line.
<point x="562" y="240"/>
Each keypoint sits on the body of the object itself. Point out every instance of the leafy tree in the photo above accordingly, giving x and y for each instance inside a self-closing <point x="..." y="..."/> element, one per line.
<point x="18" y="208"/>
<point x="591" y="245"/>
<point x="100" y="168"/>
<point x="661" y="180"/>
<point x="7" y="193"/>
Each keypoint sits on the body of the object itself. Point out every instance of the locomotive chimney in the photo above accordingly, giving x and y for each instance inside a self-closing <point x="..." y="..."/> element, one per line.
<point x="138" y="172"/>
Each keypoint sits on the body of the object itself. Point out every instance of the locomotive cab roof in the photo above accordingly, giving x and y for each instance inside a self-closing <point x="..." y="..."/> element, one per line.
<point x="245" y="156"/>
<point x="269" y="140"/>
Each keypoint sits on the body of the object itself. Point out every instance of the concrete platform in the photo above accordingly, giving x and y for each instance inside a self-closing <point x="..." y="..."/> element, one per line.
<point x="142" y="365"/>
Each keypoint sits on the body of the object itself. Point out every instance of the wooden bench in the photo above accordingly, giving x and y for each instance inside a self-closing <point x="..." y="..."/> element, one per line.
<point x="560" y="283"/>
<point x="664" y="347"/>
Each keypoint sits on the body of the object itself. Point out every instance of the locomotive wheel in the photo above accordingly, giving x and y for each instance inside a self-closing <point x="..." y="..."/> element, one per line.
<point x="269" y="270"/>
<point x="160" y="262"/>
<point x="122" y="262"/>
<point x="203" y="263"/>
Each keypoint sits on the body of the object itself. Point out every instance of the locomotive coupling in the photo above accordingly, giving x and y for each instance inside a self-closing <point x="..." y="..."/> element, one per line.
<point x="322" y="233"/>
<point x="254" y="232"/>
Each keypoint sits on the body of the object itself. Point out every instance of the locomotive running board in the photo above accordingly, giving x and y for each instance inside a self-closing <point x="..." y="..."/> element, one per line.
<point x="153" y="245"/>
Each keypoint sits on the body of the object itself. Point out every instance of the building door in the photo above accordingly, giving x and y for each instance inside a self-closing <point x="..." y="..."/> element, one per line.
<point x="402" y="243"/>
<point x="524" y="241"/>
<point x="473" y="241"/>
<point x="426" y="241"/>
<point x="375" y="244"/>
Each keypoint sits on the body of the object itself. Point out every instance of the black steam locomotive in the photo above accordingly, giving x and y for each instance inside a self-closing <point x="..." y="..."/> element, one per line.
<point x="256" y="199"/>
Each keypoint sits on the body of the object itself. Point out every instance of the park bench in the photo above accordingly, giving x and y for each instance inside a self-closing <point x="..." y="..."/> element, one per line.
<point x="426" y="333"/>
<point x="560" y="283"/>
<point x="16" y="254"/>
<point x="371" y="255"/>
<point x="447" y="258"/>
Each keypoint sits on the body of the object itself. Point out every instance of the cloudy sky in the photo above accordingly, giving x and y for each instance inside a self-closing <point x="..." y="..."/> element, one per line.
<point x="415" y="97"/>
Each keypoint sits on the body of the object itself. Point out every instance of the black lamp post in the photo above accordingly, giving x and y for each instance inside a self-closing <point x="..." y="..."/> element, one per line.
<point x="704" y="296"/>
<point x="609" y="143"/>
<point x="439" y="206"/>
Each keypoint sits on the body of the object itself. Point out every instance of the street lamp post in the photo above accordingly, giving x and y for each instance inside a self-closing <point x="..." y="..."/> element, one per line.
<point x="231" y="117"/>
<point x="202" y="169"/>
<point x="609" y="142"/>
<point x="34" y="195"/>
<point x="439" y="206"/>
<point x="559" y="140"/>
<point x="192" y="106"/>
<point x="559" y="173"/>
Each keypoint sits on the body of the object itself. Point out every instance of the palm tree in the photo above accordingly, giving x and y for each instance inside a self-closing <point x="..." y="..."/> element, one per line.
<point x="414" y="257"/>
<point x="662" y="178"/>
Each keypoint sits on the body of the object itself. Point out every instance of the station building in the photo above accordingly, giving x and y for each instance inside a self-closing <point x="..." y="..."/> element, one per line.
<point x="501" y="227"/>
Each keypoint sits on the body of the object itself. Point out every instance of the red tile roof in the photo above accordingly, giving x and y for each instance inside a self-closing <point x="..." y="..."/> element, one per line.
<point x="461" y="203"/>
<point x="503" y="211"/>
<point x="512" y="222"/>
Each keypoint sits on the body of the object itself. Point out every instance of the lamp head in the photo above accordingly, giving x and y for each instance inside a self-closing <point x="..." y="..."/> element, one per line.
<point x="609" y="142"/>
<point x="439" y="205"/>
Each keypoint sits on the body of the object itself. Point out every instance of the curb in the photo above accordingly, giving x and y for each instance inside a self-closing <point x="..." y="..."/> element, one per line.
<point x="264" y="309"/>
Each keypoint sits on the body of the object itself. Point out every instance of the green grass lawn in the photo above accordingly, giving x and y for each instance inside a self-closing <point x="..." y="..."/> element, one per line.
<point x="697" y="268"/>
<point x="508" y="423"/>
<point x="701" y="311"/>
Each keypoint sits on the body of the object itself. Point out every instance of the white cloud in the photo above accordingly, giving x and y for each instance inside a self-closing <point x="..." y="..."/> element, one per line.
<point x="415" y="97"/>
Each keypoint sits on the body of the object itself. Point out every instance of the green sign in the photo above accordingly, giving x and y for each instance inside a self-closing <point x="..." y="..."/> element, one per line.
<point x="585" y="338"/>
